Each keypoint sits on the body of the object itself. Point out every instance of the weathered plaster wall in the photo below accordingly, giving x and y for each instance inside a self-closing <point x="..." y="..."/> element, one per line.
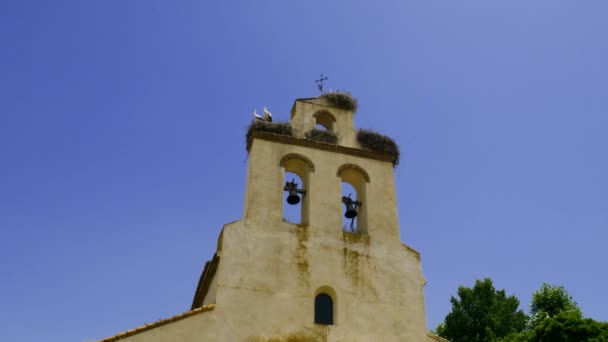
<point x="379" y="295"/>
<point x="267" y="280"/>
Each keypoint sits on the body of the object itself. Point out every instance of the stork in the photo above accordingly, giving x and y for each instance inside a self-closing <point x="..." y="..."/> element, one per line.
<point x="257" y="116"/>
<point x="267" y="115"/>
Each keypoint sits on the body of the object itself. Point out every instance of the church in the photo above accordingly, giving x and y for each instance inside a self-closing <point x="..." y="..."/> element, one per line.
<point x="333" y="269"/>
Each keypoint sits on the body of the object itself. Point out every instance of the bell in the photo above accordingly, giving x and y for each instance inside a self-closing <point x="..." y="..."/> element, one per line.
<point x="292" y="187"/>
<point x="293" y="197"/>
<point x="351" y="212"/>
<point x="351" y="207"/>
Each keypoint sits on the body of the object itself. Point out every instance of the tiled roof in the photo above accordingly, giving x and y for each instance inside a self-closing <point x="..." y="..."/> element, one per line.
<point x="435" y="337"/>
<point x="158" y="323"/>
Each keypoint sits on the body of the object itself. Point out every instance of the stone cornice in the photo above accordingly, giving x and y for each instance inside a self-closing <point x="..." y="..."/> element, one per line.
<point x="285" y="139"/>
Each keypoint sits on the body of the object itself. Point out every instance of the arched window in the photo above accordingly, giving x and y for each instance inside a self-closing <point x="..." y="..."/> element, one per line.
<point x="324" y="309"/>
<point x="292" y="212"/>
<point x="354" y="180"/>
<point x="350" y="193"/>
<point x="297" y="169"/>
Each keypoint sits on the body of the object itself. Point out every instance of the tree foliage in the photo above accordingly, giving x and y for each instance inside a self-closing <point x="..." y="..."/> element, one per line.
<point x="567" y="326"/>
<point x="482" y="314"/>
<point x="549" y="301"/>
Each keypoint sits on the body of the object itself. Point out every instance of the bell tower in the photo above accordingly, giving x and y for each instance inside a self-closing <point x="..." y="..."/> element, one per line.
<point x="321" y="146"/>
<point x="374" y="280"/>
<point x="310" y="274"/>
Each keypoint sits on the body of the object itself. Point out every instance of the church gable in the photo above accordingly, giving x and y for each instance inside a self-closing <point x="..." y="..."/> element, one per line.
<point x="335" y="270"/>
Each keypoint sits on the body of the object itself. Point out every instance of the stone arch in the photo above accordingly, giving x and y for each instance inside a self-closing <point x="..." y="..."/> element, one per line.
<point x="303" y="158"/>
<point x="354" y="178"/>
<point x="355" y="167"/>
<point x="297" y="168"/>
<point x="325" y="118"/>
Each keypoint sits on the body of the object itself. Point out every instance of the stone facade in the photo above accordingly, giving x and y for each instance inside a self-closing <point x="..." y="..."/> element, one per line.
<point x="262" y="283"/>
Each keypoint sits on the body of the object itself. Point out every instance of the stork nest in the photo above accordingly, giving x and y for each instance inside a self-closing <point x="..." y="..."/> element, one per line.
<point x="280" y="128"/>
<point x="342" y="100"/>
<point x="319" y="135"/>
<point x="380" y="143"/>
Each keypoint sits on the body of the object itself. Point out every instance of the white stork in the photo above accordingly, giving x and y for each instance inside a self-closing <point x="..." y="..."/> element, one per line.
<point x="257" y="116"/>
<point x="267" y="115"/>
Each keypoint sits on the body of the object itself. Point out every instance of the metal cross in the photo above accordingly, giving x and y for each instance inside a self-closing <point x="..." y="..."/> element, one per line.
<point x="320" y="82"/>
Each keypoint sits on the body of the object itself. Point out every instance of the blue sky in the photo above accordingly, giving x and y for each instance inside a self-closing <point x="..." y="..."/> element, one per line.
<point x="122" y="143"/>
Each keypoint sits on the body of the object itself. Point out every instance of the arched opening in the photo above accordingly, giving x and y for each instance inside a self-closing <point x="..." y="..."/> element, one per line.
<point x="324" y="120"/>
<point x="354" y="206"/>
<point x="292" y="212"/>
<point x="324" y="309"/>
<point x="349" y="224"/>
<point x="295" y="184"/>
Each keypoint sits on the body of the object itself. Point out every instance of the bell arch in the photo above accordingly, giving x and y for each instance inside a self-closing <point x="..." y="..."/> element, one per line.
<point x="355" y="167"/>
<point x="303" y="158"/>
<point x="325" y="119"/>
<point x="354" y="179"/>
<point x="296" y="171"/>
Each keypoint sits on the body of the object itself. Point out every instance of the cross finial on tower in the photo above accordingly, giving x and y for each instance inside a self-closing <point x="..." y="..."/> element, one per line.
<point x="320" y="82"/>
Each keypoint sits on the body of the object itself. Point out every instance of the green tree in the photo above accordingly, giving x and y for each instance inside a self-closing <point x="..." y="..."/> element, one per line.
<point x="567" y="326"/>
<point x="482" y="314"/>
<point x="549" y="301"/>
<point x="557" y="318"/>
